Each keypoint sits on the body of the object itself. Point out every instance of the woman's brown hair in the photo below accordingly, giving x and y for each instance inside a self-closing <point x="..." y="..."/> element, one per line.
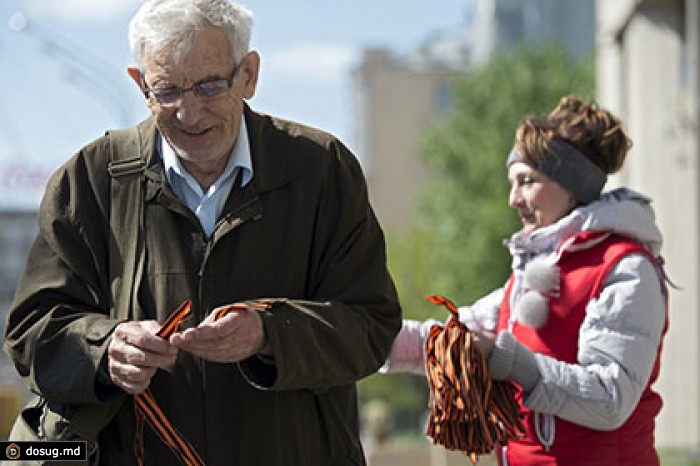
<point x="594" y="131"/>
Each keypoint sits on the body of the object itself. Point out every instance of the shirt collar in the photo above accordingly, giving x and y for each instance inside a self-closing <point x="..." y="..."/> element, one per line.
<point x="240" y="158"/>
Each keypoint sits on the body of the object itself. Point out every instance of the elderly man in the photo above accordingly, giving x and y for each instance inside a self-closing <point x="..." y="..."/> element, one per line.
<point x="261" y="225"/>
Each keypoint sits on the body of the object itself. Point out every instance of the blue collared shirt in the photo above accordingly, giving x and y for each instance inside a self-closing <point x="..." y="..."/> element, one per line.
<point x="207" y="206"/>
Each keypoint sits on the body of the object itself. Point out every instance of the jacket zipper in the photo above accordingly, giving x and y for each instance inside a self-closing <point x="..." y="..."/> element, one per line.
<point x="250" y="210"/>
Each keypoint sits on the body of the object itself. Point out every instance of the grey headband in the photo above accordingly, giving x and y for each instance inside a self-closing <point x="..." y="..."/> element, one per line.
<point x="564" y="164"/>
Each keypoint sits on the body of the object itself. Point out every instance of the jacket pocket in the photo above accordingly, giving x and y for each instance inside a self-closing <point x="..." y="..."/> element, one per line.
<point x="37" y="422"/>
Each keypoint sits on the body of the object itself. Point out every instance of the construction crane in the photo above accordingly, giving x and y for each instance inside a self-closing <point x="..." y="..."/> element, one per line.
<point x="83" y="69"/>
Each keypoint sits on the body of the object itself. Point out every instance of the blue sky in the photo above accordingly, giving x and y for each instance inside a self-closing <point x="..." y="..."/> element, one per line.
<point x="64" y="80"/>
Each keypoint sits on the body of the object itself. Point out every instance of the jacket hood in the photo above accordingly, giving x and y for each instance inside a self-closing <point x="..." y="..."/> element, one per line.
<point x="621" y="211"/>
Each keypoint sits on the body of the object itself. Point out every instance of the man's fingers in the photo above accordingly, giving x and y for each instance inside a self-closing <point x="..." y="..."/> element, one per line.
<point x="142" y="334"/>
<point x="232" y="338"/>
<point x="134" y="354"/>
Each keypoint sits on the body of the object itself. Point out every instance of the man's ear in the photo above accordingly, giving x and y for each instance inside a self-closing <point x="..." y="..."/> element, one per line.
<point x="250" y="69"/>
<point x="135" y="74"/>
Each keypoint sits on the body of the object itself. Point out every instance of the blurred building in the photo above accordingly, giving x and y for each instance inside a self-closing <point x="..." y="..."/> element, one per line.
<point x="393" y="103"/>
<point x="21" y="185"/>
<point x="17" y="230"/>
<point x="500" y="25"/>
<point x="648" y="69"/>
<point x="396" y="98"/>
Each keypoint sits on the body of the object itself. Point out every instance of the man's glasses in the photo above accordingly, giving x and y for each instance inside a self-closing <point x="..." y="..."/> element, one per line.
<point x="204" y="90"/>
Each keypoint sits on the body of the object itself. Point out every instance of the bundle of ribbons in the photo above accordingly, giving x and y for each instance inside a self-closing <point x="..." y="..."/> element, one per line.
<point x="468" y="411"/>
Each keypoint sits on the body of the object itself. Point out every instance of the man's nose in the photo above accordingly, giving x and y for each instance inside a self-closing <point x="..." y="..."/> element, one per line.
<point x="189" y="110"/>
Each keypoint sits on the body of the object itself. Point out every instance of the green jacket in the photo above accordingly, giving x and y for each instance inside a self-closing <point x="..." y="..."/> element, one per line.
<point x="301" y="229"/>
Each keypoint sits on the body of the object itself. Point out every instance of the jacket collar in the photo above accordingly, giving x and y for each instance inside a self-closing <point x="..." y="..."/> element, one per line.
<point x="269" y="145"/>
<point x="267" y="140"/>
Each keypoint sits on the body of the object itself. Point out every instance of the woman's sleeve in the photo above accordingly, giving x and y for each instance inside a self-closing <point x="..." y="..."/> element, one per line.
<point x="482" y="316"/>
<point x="408" y="351"/>
<point x="619" y="342"/>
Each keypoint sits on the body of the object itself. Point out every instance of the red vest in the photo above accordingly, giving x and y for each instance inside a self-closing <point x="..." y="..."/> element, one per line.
<point x="584" y="264"/>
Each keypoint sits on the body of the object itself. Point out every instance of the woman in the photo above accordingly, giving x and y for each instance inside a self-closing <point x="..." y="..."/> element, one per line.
<point x="579" y="324"/>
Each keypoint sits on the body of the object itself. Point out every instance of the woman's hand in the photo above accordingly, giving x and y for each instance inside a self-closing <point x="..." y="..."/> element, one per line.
<point x="484" y="341"/>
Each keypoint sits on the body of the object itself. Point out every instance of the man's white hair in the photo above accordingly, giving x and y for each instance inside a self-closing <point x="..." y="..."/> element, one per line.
<point x="173" y="24"/>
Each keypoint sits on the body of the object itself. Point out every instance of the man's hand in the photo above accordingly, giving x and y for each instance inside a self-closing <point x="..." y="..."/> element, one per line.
<point x="235" y="337"/>
<point x="135" y="353"/>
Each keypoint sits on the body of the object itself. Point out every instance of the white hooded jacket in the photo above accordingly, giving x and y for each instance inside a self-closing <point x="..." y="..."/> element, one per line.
<point x="618" y="340"/>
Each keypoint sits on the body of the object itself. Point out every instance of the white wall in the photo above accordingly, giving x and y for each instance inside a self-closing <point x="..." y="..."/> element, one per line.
<point x="643" y="75"/>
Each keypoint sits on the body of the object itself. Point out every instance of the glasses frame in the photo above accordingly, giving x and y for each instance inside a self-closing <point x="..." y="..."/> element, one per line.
<point x="152" y="95"/>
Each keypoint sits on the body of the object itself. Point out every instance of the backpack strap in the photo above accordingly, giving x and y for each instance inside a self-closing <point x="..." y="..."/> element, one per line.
<point x="126" y="169"/>
<point x="126" y="244"/>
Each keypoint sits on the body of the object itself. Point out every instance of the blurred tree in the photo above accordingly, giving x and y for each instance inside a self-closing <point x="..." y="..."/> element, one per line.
<point x="456" y="248"/>
<point x="466" y="206"/>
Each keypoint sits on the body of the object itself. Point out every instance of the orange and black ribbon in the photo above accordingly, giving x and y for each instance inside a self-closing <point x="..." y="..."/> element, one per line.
<point x="148" y="411"/>
<point x="468" y="411"/>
